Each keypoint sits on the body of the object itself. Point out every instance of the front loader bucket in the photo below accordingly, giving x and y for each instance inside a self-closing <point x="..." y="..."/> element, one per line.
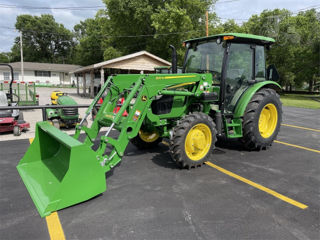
<point x="59" y="171"/>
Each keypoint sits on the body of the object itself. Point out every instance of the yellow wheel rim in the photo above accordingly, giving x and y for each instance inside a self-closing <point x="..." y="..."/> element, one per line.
<point x="148" y="137"/>
<point x="268" y="120"/>
<point x="198" y="142"/>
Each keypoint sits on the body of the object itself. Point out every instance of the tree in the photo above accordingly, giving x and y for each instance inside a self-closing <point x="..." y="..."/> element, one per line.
<point x="92" y="39"/>
<point x="4" y="57"/>
<point x="110" y="53"/>
<point x="153" y="25"/>
<point x="44" y="40"/>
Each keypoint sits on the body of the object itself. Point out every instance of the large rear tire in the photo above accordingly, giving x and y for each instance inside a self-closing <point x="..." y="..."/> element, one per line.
<point x="262" y="119"/>
<point x="193" y="140"/>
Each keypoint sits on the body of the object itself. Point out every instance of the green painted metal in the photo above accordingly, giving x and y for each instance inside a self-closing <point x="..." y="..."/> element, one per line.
<point x="247" y="37"/>
<point x="176" y="93"/>
<point x="66" y="100"/>
<point x="248" y="94"/>
<point x="59" y="113"/>
<point x="59" y="171"/>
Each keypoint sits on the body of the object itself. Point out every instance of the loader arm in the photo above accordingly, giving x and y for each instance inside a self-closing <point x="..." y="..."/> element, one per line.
<point x="59" y="170"/>
<point x="139" y="91"/>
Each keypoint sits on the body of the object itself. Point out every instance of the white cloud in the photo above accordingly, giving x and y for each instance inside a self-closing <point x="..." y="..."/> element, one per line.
<point x="66" y="17"/>
<point x="243" y="9"/>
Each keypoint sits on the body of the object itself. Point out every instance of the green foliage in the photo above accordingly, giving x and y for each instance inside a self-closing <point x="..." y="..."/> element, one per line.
<point x="160" y="23"/>
<point x="4" y="57"/>
<point x="44" y="40"/>
<point x="90" y="35"/>
<point x="110" y="53"/>
<point x="296" y="52"/>
<point x="128" y="26"/>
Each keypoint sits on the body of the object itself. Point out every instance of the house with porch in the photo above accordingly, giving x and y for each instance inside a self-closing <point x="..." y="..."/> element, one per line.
<point x="91" y="77"/>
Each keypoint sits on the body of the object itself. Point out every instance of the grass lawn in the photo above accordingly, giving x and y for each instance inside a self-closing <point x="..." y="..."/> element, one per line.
<point x="301" y="100"/>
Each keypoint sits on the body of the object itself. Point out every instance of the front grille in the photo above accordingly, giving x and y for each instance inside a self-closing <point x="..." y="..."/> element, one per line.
<point x="70" y="111"/>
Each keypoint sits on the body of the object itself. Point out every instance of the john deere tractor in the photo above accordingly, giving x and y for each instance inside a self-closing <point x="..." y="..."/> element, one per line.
<point x="225" y="90"/>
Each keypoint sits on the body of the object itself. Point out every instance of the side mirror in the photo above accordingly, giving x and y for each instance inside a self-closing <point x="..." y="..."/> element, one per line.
<point x="272" y="73"/>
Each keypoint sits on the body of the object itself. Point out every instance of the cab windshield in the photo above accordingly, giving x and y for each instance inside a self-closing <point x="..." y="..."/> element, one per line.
<point x="205" y="57"/>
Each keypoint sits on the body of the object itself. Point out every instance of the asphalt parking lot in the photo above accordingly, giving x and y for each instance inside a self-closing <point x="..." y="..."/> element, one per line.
<point x="272" y="194"/>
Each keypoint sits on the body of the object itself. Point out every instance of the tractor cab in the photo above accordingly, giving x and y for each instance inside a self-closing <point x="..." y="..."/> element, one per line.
<point x="235" y="60"/>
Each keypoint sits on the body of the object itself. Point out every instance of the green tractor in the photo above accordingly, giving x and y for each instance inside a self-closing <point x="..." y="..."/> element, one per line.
<point x="225" y="91"/>
<point x="63" y="117"/>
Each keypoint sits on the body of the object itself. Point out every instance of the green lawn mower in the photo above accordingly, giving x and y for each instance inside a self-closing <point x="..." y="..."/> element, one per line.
<point x="224" y="91"/>
<point x="62" y="117"/>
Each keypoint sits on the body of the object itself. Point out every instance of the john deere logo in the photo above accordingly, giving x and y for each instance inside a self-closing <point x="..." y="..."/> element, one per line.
<point x="144" y="98"/>
<point x="109" y="116"/>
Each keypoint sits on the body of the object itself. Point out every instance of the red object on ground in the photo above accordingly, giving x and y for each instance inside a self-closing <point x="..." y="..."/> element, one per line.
<point x="8" y="123"/>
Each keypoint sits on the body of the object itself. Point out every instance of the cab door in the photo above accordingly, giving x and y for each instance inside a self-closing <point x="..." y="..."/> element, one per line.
<point x="239" y="71"/>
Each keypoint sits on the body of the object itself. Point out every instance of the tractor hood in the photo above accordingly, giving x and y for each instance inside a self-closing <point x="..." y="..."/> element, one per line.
<point x="66" y="100"/>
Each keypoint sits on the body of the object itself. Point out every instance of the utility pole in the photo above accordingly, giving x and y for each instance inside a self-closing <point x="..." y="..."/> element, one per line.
<point x="207" y="23"/>
<point x="21" y="53"/>
<point x="207" y="34"/>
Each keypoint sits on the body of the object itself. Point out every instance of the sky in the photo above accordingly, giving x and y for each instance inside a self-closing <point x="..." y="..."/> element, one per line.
<point x="225" y="9"/>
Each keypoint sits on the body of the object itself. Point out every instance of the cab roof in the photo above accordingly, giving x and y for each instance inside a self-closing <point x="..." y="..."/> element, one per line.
<point x="238" y="37"/>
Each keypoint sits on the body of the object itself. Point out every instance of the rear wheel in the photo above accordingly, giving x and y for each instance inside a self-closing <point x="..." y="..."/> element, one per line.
<point x="146" y="140"/>
<point x="16" y="131"/>
<point x="193" y="140"/>
<point x="262" y="119"/>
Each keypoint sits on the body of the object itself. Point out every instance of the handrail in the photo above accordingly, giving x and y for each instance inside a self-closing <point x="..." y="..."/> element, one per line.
<point x="44" y="107"/>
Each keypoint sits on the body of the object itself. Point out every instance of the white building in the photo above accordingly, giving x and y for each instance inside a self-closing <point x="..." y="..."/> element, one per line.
<point x="41" y="73"/>
<point x="90" y="77"/>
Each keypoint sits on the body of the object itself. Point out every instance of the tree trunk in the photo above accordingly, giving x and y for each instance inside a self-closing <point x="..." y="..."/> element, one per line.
<point x="84" y="85"/>
<point x="311" y="85"/>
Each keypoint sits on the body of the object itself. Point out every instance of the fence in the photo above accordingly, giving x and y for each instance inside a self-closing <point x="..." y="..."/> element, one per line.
<point x="23" y="93"/>
<point x="44" y="107"/>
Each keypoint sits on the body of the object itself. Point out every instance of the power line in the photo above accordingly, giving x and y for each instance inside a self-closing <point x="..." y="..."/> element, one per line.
<point x="105" y="35"/>
<point x="227" y="1"/>
<point x="71" y="8"/>
<point x="278" y="15"/>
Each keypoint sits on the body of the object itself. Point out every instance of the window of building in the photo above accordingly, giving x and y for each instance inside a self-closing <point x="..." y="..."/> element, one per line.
<point x="7" y="77"/>
<point x="42" y="73"/>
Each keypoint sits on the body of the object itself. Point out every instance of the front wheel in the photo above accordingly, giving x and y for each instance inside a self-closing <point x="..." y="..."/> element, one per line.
<point x="146" y="140"/>
<point x="16" y="131"/>
<point x="262" y="119"/>
<point x="55" y="123"/>
<point x="193" y="140"/>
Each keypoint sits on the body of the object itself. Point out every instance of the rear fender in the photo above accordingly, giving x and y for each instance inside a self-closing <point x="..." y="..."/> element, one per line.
<point x="248" y="94"/>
